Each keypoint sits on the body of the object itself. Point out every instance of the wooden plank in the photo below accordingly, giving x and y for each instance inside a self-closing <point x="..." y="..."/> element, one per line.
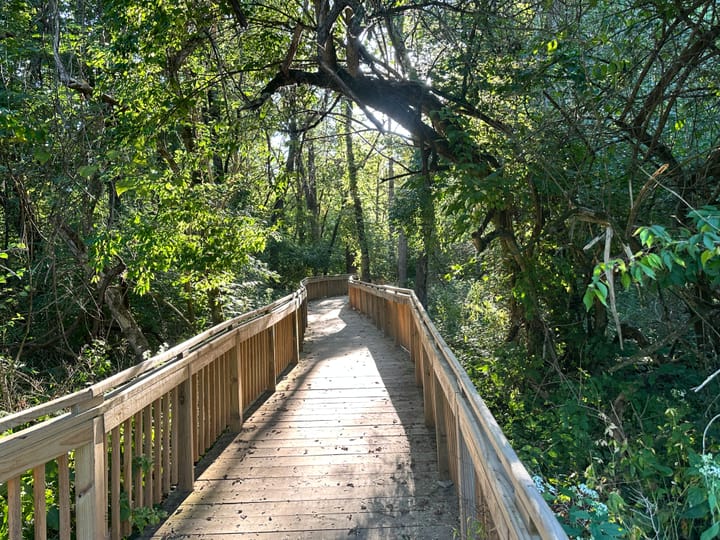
<point x="137" y="452"/>
<point x="216" y="396"/>
<point x="127" y="431"/>
<point x="166" y="455"/>
<point x="43" y="442"/>
<point x="390" y="505"/>
<point x="231" y="518"/>
<point x="90" y="491"/>
<point x="14" y="501"/>
<point x="271" y="359"/>
<point x="115" y="474"/>
<point x="157" y="451"/>
<point x="197" y="431"/>
<point x="64" y="496"/>
<point x="431" y="532"/>
<point x="235" y="383"/>
<point x="147" y="455"/>
<point x="207" y="409"/>
<point x="174" y="435"/>
<point x="297" y="488"/>
<point x="14" y="420"/>
<point x="400" y="472"/>
<point x="39" y="504"/>
<point x="347" y="446"/>
<point x="184" y="450"/>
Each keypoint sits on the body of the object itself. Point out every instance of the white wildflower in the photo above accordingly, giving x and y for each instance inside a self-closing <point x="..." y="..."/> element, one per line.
<point x="709" y="469"/>
<point x="588" y="492"/>
<point x="539" y="483"/>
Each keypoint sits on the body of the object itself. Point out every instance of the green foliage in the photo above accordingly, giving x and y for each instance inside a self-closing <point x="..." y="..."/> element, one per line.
<point x="632" y="437"/>
<point x="670" y="258"/>
<point x="582" y="513"/>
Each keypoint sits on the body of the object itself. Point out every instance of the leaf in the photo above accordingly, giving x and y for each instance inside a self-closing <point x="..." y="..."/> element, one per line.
<point x="122" y="186"/>
<point x="652" y="260"/>
<point x="709" y="241"/>
<point x="645" y="234"/>
<point x="649" y="272"/>
<point x="667" y="259"/>
<point x="705" y="256"/>
<point x="589" y="297"/>
<point x="86" y="171"/>
<point x="601" y="292"/>
<point x="712" y="532"/>
<point x="42" y="156"/>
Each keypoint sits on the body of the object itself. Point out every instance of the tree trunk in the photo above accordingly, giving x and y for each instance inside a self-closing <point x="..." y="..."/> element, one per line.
<point x="357" y="203"/>
<point x="427" y="224"/>
<point x="333" y="237"/>
<point x="130" y="328"/>
<point x="392" y="252"/>
<point x="310" y="189"/>
<point x="402" y="247"/>
<point x="215" y="306"/>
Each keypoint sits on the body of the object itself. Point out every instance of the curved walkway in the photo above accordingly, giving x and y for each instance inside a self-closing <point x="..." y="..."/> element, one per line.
<point x="339" y="451"/>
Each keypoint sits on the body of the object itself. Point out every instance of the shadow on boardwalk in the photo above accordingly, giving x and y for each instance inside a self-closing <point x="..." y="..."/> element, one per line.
<point x="339" y="451"/>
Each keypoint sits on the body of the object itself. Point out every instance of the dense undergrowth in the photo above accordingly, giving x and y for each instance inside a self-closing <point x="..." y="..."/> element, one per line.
<point x="620" y="446"/>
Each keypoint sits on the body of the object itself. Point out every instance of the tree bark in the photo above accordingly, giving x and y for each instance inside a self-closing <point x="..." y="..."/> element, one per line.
<point x="355" y="195"/>
<point x="129" y="327"/>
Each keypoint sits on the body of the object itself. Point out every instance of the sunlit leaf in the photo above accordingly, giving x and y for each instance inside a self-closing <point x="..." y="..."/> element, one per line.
<point x="86" y="171"/>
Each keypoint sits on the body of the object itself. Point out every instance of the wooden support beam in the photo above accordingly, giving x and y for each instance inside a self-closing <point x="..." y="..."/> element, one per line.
<point x="428" y="386"/>
<point x="64" y="496"/>
<point x="271" y="360"/>
<point x="14" y="509"/>
<point x="441" y="429"/>
<point x="90" y="491"/>
<point x="115" y="460"/>
<point x="40" y="506"/>
<point x="186" y="436"/>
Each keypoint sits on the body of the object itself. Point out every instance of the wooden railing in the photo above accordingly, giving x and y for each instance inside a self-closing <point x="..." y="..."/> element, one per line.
<point x="497" y="497"/>
<point x="124" y="443"/>
<point x="129" y="440"/>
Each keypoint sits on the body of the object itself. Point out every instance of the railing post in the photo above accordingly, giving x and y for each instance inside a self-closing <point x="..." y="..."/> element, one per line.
<point x="298" y="341"/>
<point x="14" y="509"/>
<point x="415" y="351"/>
<point x="236" y="390"/>
<point x="467" y="496"/>
<point x="429" y="390"/>
<point x="186" y="473"/>
<point x="271" y="367"/>
<point x="441" y="429"/>
<point x="90" y="492"/>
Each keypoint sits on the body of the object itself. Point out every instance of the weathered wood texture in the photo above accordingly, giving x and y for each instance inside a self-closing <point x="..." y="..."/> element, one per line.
<point x="341" y="450"/>
<point x="497" y="497"/>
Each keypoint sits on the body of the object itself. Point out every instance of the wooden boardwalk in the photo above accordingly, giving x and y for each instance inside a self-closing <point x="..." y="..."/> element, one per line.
<point x="341" y="450"/>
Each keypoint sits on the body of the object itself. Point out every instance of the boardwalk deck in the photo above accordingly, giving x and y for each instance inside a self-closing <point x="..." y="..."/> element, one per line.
<point x="339" y="451"/>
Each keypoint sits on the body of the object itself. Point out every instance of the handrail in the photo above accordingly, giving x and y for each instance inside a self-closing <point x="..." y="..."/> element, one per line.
<point x="495" y="490"/>
<point x="136" y="435"/>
